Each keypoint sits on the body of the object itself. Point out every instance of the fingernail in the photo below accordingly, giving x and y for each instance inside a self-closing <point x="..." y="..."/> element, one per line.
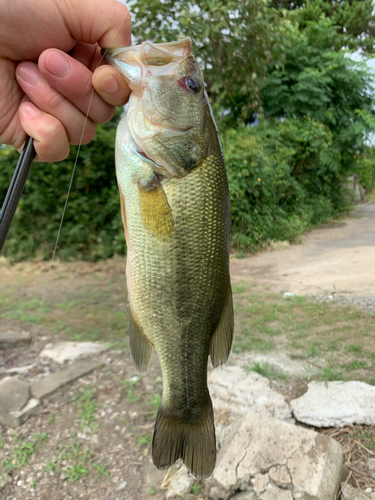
<point x="108" y="84"/>
<point x="30" y="110"/>
<point x="29" y="73"/>
<point x="57" y="64"/>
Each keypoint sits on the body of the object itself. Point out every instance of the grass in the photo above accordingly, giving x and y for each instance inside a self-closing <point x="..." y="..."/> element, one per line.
<point x="131" y="396"/>
<point x="86" y="408"/>
<point x="89" y="311"/>
<point x="267" y="370"/>
<point x="22" y="451"/>
<point x="303" y="328"/>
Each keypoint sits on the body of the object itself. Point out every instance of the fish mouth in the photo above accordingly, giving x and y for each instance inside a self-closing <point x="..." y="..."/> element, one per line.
<point x="151" y="59"/>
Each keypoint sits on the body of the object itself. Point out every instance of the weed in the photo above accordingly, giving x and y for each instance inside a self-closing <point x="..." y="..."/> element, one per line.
<point x="195" y="489"/>
<point x="101" y="470"/>
<point x="22" y="452"/>
<point x="51" y="418"/>
<point x="131" y="396"/>
<point x="267" y="370"/>
<point x="353" y="348"/>
<point x="86" y="408"/>
<point x="144" y="439"/>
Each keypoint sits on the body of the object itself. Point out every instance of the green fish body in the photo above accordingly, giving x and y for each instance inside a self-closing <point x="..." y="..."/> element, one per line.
<point x="176" y="215"/>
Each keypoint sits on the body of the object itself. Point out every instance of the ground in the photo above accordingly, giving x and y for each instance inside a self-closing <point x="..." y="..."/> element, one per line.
<point x="92" y="439"/>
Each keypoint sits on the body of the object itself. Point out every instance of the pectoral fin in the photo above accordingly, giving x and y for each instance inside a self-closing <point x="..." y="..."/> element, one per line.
<point x="140" y="346"/>
<point x="221" y="340"/>
<point x="155" y="210"/>
<point x="123" y="214"/>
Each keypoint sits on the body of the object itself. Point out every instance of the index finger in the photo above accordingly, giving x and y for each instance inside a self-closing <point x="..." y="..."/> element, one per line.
<point x="110" y="29"/>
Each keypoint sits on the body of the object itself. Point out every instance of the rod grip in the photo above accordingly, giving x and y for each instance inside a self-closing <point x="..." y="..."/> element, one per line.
<point x="15" y="189"/>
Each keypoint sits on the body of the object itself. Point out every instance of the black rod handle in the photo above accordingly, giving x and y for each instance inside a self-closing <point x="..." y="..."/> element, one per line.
<point x="15" y="189"/>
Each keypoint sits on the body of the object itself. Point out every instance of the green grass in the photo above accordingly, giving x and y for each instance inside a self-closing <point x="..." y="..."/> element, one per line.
<point x="89" y="311"/>
<point x="132" y="396"/>
<point x="22" y="451"/>
<point x="304" y="328"/>
<point x="267" y="370"/>
<point x="86" y="408"/>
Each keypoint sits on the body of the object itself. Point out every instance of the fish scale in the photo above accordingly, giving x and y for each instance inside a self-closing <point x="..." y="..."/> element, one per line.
<point x="176" y="214"/>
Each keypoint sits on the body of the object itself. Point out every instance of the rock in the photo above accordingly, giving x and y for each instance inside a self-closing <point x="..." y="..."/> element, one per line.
<point x="261" y="451"/>
<point x="122" y="486"/>
<point x="274" y="493"/>
<point x="15" y="405"/>
<point x="11" y="338"/>
<point x="180" y="484"/>
<point x="280" y="475"/>
<point x="49" y="384"/>
<point x="68" y="351"/>
<point x="245" y="495"/>
<point x="14" y="394"/>
<point x="231" y="388"/>
<point x="17" y="418"/>
<point x="336" y="404"/>
<point x="351" y="493"/>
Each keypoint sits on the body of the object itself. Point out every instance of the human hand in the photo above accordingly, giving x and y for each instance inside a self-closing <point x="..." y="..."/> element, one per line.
<point x="49" y="100"/>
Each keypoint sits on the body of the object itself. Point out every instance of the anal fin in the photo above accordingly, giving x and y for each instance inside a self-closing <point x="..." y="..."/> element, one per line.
<point x="140" y="346"/>
<point x="221" y="340"/>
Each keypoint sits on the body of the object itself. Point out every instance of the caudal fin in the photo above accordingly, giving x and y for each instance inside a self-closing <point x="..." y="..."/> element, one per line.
<point x="194" y="442"/>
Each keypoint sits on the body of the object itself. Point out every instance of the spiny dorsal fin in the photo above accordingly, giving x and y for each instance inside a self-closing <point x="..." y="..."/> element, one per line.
<point x="221" y="340"/>
<point x="140" y="346"/>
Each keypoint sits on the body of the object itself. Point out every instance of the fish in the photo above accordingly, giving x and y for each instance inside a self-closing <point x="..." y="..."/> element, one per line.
<point x="176" y="215"/>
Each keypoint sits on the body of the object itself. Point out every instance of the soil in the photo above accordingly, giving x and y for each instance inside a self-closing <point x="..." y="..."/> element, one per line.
<point x="111" y="453"/>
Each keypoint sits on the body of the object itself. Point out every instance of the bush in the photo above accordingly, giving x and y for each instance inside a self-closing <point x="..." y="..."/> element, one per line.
<point x="284" y="177"/>
<point x="92" y="227"/>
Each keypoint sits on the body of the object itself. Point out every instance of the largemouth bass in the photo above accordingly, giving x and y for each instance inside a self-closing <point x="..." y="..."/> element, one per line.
<point x="176" y="214"/>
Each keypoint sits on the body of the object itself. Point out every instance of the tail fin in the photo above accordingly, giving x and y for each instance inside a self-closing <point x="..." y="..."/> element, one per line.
<point x="194" y="442"/>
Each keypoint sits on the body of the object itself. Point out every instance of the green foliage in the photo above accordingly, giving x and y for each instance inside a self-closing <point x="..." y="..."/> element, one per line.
<point x="354" y="20"/>
<point x="327" y="86"/>
<point x="284" y="177"/>
<point x="365" y="168"/>
<point x="234" y="40"/>
<point x="92" y="227"/>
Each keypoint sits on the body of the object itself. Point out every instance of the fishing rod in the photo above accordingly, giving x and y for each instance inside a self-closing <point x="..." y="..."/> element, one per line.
<point x="15" y="189"/>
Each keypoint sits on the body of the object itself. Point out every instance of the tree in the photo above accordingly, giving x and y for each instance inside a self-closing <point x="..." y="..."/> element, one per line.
<point x="234" y="40"/>
<point x="325" y="85"/>
<point x="354" y="20"/>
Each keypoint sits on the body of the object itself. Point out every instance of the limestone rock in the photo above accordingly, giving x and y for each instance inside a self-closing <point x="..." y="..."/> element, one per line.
<point x="280" y="475"/>
<point x="274" y="493"/>
<point x="68" y="351"/>
<point x="245" y="495"/>
<point x="15" y="405"/>
<point x="262" y="450"/>
<point x="14" y="394"/>
<point x="231" y="388"/>
<point x="180" y="484"/>
<point x="10" y="338"/>
<point x="49" y="384"/>
<point x="336" y="404"/>
<point x="17" y="418"/>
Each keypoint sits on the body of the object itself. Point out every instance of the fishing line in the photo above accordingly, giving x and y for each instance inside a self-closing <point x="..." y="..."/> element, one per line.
<point x="34" y="334"/>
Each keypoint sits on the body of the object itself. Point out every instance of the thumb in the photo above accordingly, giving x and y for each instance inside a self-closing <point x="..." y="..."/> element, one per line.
<point x="106" y="22"/>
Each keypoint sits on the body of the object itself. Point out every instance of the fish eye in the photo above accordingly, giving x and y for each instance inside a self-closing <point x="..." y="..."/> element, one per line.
<point x="192" y="83"/>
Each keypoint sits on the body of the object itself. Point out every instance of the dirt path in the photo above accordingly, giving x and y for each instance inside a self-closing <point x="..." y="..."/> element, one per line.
<point x="337" y="258"/>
